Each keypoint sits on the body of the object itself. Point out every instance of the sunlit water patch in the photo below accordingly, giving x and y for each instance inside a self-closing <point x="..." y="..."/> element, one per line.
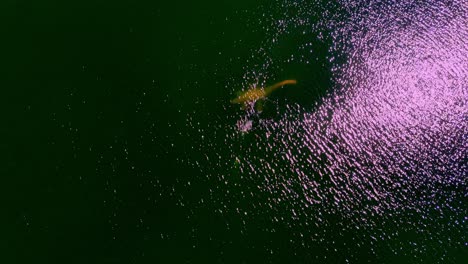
<point x="378" y="164"/>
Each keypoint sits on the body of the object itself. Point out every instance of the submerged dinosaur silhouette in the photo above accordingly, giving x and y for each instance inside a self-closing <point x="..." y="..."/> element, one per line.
<point x="250" y="96"/>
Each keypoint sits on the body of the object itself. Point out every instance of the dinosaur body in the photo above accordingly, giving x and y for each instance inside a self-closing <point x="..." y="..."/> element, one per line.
<point x="253" y="94"/>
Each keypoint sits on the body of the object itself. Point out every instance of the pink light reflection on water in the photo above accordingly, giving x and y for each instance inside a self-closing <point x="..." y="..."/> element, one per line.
<point x="393" y="132"/>
<point x="388" y="145"/>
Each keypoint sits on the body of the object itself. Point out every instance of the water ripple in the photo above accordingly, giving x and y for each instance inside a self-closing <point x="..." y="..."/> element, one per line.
<point x="385" y="151"/>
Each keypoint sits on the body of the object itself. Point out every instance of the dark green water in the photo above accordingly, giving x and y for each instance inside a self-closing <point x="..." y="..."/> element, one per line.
<point x="120" y="144"/>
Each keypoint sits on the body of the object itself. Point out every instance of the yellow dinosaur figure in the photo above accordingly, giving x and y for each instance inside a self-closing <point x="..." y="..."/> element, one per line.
<point x="252" y="95"/>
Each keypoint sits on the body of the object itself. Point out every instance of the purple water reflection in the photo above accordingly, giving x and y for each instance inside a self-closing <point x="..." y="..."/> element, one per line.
<point x="398" y="122"/>
<point x="391" y="141"/>
<point x="385" y="153"/>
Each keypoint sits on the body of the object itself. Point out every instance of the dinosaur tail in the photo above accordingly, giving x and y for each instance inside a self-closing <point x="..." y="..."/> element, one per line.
<point x="278" y="85"/>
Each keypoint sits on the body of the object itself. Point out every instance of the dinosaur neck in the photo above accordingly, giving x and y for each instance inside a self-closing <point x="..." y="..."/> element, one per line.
<point x="275" y="86"/>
